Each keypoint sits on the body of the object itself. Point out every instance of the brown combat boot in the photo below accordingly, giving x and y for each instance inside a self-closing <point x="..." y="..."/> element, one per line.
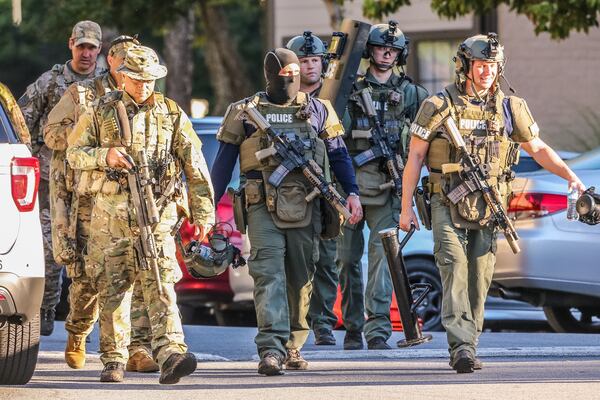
<point x="141" y="361"/>
<point x="75" y="351"/>
<point x="113" y="372"/>
<point x="270" y="364"/>
<point x="294" y="360"/>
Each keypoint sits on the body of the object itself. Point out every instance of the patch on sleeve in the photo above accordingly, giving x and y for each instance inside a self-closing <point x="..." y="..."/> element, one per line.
<point x="419" y="131"/>
<point x="534" y="129"/>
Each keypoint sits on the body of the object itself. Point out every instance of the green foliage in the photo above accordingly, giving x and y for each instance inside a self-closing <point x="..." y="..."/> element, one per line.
<point x="557" y="17"/>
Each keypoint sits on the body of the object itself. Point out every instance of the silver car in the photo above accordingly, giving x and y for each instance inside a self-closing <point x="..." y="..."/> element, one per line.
<point x="557" y="268"/>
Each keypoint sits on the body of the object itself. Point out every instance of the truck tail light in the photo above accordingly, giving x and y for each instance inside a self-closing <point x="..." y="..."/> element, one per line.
<point x="528" y="205"/>
<point x="25" y="181"/>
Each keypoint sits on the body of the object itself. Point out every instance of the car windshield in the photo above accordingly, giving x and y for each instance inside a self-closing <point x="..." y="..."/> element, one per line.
<point x="588" y="160"/>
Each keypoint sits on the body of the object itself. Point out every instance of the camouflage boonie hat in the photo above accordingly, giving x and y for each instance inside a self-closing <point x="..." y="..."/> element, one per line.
<point x="120" y="45"/>
<point x="142" y="63"/>
<point x="87" y="32"/>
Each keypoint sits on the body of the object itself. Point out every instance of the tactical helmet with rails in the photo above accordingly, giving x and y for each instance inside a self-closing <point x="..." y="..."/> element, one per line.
<point x="307" y="45"/>
<point x="388" y="35"/>
<point x="479" y="47"/>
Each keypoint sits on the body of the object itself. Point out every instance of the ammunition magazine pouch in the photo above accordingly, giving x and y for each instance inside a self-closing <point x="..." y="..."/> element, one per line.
<point x="370" y="177"/>
<point x="92" y="182"/>
<point x="238" y="198"/>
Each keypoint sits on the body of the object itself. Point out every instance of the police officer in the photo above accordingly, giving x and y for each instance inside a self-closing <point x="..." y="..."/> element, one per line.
<point x="70" y="232"/>
<point x="493" y="126"/>
<point x="396" y="99"/>
<point x="162" y="130"/>
<point x="36" y="103"/>
<point x="282" y="227"/>
<point x="311" y="51"/>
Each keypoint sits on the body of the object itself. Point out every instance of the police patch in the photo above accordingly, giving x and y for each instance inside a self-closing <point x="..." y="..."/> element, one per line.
<point x="472" y="124"/>
<point x="280" y="118"/>
<point x="534" y="129"/>
<point x="419" y="131"/>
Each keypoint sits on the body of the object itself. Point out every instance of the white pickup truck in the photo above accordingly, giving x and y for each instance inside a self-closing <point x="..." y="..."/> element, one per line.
<point x="21" y="248"/>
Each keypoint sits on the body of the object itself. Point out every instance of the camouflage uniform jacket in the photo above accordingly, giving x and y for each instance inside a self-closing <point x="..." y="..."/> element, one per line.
<point x="162" y="130"/>
<point x="65" y="208"/>
<point x="39" y="99"/>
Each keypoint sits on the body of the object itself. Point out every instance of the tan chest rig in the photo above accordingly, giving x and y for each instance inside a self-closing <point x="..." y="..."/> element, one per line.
<point x="286" y="203"/>
<point x="393" y="104"/>
<point x="482" y="128"/>
<point x="152" y="130"/>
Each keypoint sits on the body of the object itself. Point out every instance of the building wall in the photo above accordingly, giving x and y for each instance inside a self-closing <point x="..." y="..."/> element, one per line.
<point x="559" y="80"/>
<point x="292" y="17"/>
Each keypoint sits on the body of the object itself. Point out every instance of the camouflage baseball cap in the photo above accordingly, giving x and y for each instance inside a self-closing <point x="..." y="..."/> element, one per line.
<point x="120" y="45"/>
<point x="87" y="32"/>
<point x="142" y="63"/>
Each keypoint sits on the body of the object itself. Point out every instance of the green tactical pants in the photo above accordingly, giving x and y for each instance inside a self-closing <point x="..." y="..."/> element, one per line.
<point x="324" y="287"/>
<point x="378" y="295"/>
<point x="282" y="264"/>
<point x="466" y="261"/>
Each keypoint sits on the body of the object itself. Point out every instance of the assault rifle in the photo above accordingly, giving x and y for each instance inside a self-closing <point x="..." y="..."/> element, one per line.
<point x="475" y="175"/>
<point x="290" y="153"/>
<point x="380" y="146"/>
<point x="140" y="186"/>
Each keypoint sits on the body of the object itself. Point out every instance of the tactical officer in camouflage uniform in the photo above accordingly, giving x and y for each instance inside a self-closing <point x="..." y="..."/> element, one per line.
<point x="39" y="98"/>
<point x="493" y="126"/>
<point x="396" y="99"/>
<point x="310" y="51"/>
<point x="282" y="227"/>
<point x="161" y="130"/>
<point x="71" y="215"/>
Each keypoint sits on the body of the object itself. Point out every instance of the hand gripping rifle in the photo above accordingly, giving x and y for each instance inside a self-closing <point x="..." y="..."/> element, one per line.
<point x="140" y="186"/>
<point x="290" y="153"/>
<point x="475" y="175"/>
<point x="380" y="146"/>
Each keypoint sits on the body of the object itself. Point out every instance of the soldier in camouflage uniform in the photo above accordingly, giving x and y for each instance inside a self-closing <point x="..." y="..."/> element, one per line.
<point x="310" y="50"/>
<point x="71" y="215"/>
<point x="492" y="125"/>
<point x="37" y="102"/>
<point x="396" y="100"/>
<point x="162" y="130"/>
<point x="283" y="227"/>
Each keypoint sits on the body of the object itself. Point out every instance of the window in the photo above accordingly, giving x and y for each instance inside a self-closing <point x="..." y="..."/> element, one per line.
<point x="434" y="62"/>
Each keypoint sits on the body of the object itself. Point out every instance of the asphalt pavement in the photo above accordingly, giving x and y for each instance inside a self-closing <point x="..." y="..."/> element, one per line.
<point x="534" y="366"/>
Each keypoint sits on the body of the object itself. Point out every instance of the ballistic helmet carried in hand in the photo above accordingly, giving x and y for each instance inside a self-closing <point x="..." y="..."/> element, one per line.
<point x="388" y="35"/>
<point x="307" y="45"/>
<point x="478" y="47"/>
<point x="212" y="259"/>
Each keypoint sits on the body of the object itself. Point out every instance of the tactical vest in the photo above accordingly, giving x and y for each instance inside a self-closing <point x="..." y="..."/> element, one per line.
<point x="483" y="131"/>
<point x="286" y="203"/>
<point x="152" y="130"/>
<point x="394" y="104"/>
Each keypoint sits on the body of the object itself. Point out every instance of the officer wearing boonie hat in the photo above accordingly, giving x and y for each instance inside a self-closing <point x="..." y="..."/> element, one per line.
<point x="162" y="132"/>
<point x="142" y="63"/>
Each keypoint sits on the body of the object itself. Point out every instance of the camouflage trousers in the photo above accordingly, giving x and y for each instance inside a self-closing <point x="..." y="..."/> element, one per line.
<point x="53" y="271"/>
<point x="112" y="262"/>
<point x="83" y="293"/>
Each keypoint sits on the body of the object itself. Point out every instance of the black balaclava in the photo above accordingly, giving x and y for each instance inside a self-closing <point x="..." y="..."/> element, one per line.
<point x="281" y="89"/>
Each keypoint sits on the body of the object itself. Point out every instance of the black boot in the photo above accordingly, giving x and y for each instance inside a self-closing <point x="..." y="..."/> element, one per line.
<point x="378" y="343"/>
<point x="324" y="337"/>
<point x="463" y="362"/>
<point x="353" y="341"/>
<point x="271" y="364"/>
<point x="46" y="321"/>
<point x="176" y="367"/>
